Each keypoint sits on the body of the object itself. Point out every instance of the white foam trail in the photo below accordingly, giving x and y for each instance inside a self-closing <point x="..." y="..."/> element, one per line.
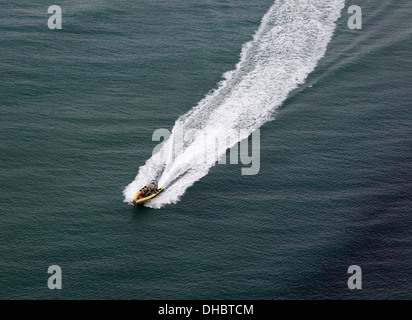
<point x="290" y="41"/>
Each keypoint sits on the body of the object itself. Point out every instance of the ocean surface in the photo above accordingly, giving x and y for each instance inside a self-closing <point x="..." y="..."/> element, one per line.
<point x="332" y="106"/>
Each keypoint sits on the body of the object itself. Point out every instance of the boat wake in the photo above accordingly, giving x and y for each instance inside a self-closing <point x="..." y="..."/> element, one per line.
<point x="292" y="38"/>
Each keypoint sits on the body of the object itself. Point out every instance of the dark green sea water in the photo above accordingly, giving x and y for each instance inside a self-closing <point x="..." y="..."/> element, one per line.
<point x="78" y="108"/>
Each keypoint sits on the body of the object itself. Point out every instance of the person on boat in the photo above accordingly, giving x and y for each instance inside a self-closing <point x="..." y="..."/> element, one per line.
<point x="144" y="193"/>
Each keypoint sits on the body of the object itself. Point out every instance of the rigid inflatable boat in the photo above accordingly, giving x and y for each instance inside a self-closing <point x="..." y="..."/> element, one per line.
<point x="147" y="193"/>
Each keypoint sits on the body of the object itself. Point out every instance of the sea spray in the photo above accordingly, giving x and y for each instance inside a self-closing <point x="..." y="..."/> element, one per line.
<point x="292" y="38"/>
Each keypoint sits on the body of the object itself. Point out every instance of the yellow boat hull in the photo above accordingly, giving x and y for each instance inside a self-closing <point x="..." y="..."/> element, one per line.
<point x="136" y="199"/>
